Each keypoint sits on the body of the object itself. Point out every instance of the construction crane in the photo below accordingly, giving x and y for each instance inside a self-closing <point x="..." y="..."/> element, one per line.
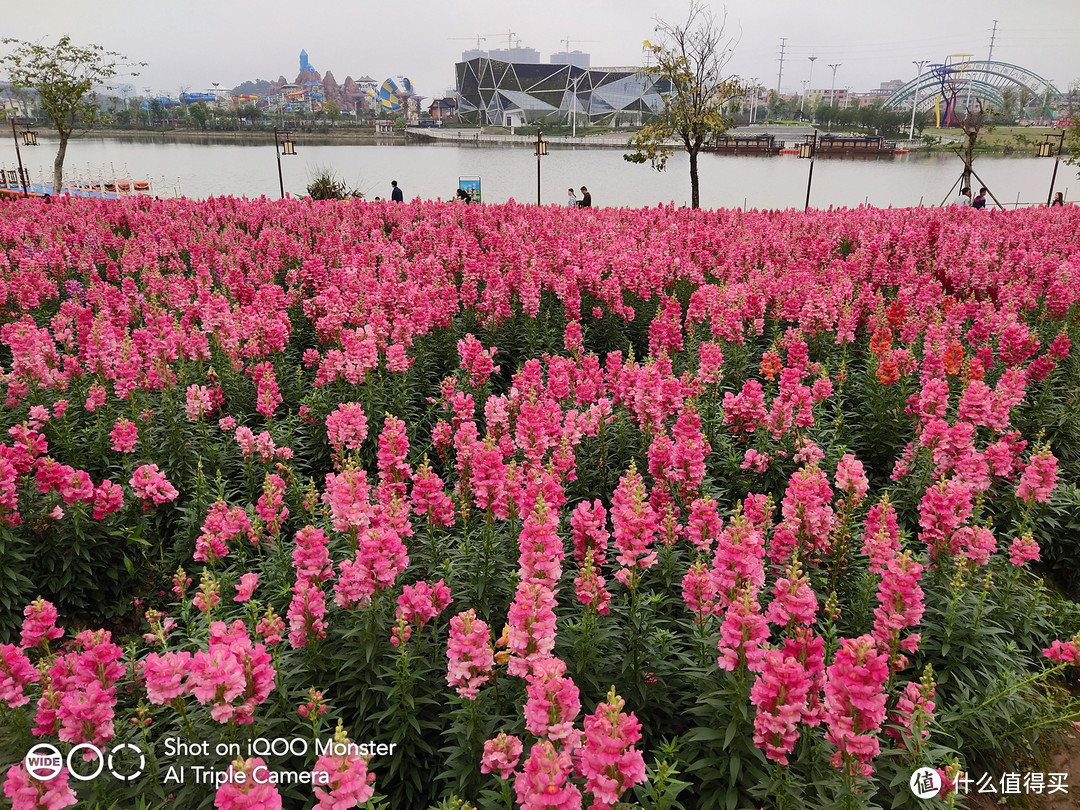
<point x="478" y="39"/>
<point x="509" y="39"/>
<point x="567" y="42"/>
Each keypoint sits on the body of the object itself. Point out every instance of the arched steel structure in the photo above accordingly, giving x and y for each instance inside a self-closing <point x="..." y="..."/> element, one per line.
<point x="984" y="80"/>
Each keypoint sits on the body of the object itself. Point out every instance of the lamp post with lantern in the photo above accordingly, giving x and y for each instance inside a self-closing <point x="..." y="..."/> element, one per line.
<point x="1046" y="149"/>
<point x="541" y="150"/>
<point x="288" y="147"/>
<point x="808" y="149"/>
<point x="29" y="139"/>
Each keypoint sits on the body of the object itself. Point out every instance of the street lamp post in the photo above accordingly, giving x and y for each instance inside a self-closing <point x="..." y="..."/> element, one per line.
<point x="808" y="149"/>
<point x="802" y="101"/>
<point x="832" y="91"/>
<point x="288" y="147"/>
<point x="810" y="78"/>
<point x="753" y="98"/>
<point x="915" y="101"/>
<point x="541" y="150"/>
<point x="574" y="103"/>
<point x="1046" y="149"/>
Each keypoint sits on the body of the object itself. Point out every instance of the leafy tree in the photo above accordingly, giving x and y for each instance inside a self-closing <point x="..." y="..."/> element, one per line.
<point x="63" y="76"/>
<point x="1025" y="101"/>
<point x="199" y="114"/>
<point x="689" y="62"/>
<point x="1009" y="98"/>
<point x="332" y="111"/>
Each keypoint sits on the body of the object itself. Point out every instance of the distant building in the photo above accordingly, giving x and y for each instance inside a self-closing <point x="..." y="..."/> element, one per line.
<point x="514" y="94"/>
<point x="442" y="109"/>
<point x="575" y="58"/>
<point x="840" y="97"/>
<point x="525" y="56"/>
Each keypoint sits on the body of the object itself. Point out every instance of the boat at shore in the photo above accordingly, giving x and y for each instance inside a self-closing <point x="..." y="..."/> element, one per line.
<point x="14" y="185"/>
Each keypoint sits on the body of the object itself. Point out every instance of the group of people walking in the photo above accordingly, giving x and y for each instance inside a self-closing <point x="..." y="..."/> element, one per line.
<point x="964" y="198"/>
<point x="572" y="200"/>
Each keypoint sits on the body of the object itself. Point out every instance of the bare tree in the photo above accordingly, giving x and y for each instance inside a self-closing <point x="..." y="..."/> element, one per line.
<point x="688" y="65"/>
<point x="971" y="124"/>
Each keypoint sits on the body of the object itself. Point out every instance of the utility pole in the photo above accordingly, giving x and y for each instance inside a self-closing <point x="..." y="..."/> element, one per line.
<point x="993" y="36"/>
<point x="753" y="98"/>
<point x="832" y="91"/>
<point x="915" y="101"/>
<point x="780" y="75"/>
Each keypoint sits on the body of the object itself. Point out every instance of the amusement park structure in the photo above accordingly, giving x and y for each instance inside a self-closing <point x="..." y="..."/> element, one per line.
<point x="952" y="86"/>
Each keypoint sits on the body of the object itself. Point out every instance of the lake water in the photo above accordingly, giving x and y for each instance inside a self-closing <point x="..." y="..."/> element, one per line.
<point x="431" y="171"/>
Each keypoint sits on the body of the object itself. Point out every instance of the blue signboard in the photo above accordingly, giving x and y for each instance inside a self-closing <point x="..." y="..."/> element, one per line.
<point x="471" y="185"/>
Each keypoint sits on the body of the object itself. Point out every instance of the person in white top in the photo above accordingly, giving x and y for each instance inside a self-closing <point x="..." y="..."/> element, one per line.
<point x="963" y="198"/>
<point x="571" y="198"/>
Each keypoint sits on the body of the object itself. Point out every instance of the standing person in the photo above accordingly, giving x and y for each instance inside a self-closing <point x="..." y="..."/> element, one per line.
<point x="980" y="200"/>
<point x="571" y="199"/>
<point x="963" y="198"/>
<point x="586" y="198"/>
<point x="1058" y="200"/>
<point x="396" y="194"/>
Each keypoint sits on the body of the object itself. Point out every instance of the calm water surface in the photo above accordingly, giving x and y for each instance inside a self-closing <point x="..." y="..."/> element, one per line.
<point x="431" y="171"/>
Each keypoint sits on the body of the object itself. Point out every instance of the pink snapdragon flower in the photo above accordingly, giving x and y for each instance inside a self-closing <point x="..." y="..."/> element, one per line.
<point x="855" y="701"/>
<point x="166" y="676"/>
<point x="348" y="782"/>
<point x="418" y="604"/>
<point x="501" y="754"/>
<point x="544" y="782"/>
<point x="608" y="759"/>
<point x="471" y="658"/>
<point x="16" y="673"/>
<point x="150" y="484"/>
<point x="429" y="499"/>
<point x="247" y="787"/>
<point x="743" y="634"/>
<point x="1039" y="479"/>
<point x="124" y="435"/>
<point x="635" y="526"/>
<point x="552" y="702"/>
<point x="476" y="360"/>
<point x="779" y="693"/>
<point x="39" y="625"/>
<point x="1023" y="549"/>
<point x="793" y="600"/>
<point x="532" y="627"/>
<point x="346" y="427"/>
<point x="28" y="793"/>
<point x="246" y="587"/>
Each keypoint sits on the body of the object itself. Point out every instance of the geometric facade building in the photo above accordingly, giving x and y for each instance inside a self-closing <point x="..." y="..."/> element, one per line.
<point x="514" y="94"/>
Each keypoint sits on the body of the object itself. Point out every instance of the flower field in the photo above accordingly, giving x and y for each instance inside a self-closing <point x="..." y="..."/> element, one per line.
<point x="439" y="506"/>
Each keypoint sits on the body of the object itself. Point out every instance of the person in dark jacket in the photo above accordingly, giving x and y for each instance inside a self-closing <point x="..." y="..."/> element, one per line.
<point x="980" y="199"/>
<point x="396" y="194"/>
<point x="586" y="198"/>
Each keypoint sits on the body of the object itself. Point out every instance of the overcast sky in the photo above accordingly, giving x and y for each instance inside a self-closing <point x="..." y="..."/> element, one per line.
<point x="194" y="44"/>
